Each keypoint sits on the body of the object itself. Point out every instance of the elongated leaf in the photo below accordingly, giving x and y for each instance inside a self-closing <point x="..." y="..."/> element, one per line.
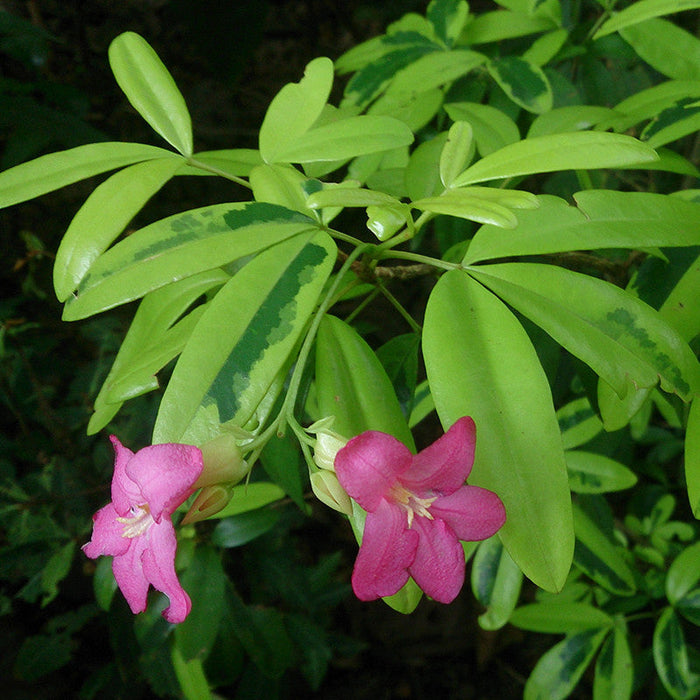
<point x="496" y="583"/>
<point x="104" y="216"/>
<point x="599" y="558"/>
<point x="560" y="618"/>
<point x="692" y="457"/>
<point x="582" y="150"/>
<point x="156" y="314"/>
<point x="294" y="109"/>
<point x="616" y="334"/>
<point x="457" y="152"/>
<point x="151" y="89"/>
<point x="448" y="17"/>
<point x="238" y="530"/>
<point x="546" y="47"/>
<point x="671" y="658"/>
<point x="464" y="205"/>
<point x="350" y="197"/>
<point x="673" y="123"/>
<point x="190" y="676"/>
<point x="523" y="81"/>
<point x="593" y="473"/>
<point x="56" y="170"/>
<point x="571" y="118"/>
<point x="683" y="574"/>
<point x="481" y="363"/>
<point x="250" y="497"/>
<point x="614" y="669"/>
<point x="352" y="385"/>
<point x="560" y="669"/>
<point x="603" y="219"/>
<point x="642" y="10"/>
<point x="346" y="138"/>
<point x="221" y="378"/>
<point x="179" y="246"/>
<point x="504" y="24"/>
<point x="578" y="423"/>
<point x="492" y="128"/>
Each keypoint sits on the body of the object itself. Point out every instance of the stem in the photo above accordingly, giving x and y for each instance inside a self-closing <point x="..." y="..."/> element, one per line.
<point x="398" y="306"/>
<point x="426" y="260"/>
<point x="584" y="180"/>
<point x="217" y="171"/>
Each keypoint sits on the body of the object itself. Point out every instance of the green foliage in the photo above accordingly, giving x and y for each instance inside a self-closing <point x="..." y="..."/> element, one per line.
<point x="529" y="258"/>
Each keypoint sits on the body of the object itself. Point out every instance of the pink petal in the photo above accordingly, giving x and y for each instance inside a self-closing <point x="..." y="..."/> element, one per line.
<point x="106" y="534"/>
<point x="128" y="571"/>
<point x="471" y="512"/>
<point x="159" y="569"/>
<point x="387" y="550"/>
<point x="125" y="492"/>
<point x="445" y="465"/>
<point x="369" y="465"/>
<point x="439" y="564"/>
<point x="165" y="475"/>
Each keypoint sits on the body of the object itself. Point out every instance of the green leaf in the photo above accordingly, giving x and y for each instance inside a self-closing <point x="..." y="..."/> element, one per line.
<point x="250" y="497"/>
<point x="190" y="676"/>
<point x="399" y="357"/>
<point x="673" y="123"/>
<point x="523" y="81"/>
<point x="496" y="583"/>
<point x="546" y="47"/>
<point x="666" y="47"/>
<point x="350" y="197"/>
<point x="559" y="670"/>
<point x="104" y="585"/>
<point x="683" y="574"/>
<point x="104" y="216"/>
<point x="570" y="118"/>
<point x="56" y="170"/>
<point x="282" y="185"/>
<point x="578" y="423"/>
<point x="498" y="25"/>
<point x="492" y="128"/>
<point x="151" y="89"/>
<point x="232" y="161"/>
<point x="560" y="618"/>
<point x="599" y="558"/>
<point x="582" y="150"/>
<point x="671" y="658"/>
<point x="204" y="582"/>
<point x="621" y="338"/>
<point x="642" y="10"/>
<point x="448" y="17"/>
<point x="593" y="473"/>
<point x="239" y="529"/>
<point x="481" y="363"/>
<point x="603" y="219"/>
<point x="614" y="669"/>
<point x="692" y="457"/>
<point x="221" y="378"/>
<point x="180" y="246"/>
<point x="281" y="460"/>
<point x="294" y="109"/>
<point x="346" y="138"/>
<point x="352" y="385"/>
<point x="422" y="174"/>
<point x="457" y="152"/>
<point x="56" y="569"/>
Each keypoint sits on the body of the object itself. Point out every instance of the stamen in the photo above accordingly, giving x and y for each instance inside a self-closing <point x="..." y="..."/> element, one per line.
<point x="139" y="523"/>
<point x="412" y="504"/>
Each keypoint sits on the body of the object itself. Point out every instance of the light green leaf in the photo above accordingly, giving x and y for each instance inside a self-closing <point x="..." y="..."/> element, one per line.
<point x="642" y="10"/>
<point x="104" y="216"/>
<point x="692" y="457"/>
<point x="250" y="497"/>
<point x="221" y="378"/>
<point x="546" y="47"/>
<point x="448" y="17"/>
<point x="350" y="197"/>
<point x="671" y="658"/>
<point x="422" y="174"/>
<point x="346" y="138"/>
<point x="151" y="89"/>
<point x="559" y="670"/>
<point x="180" y="246"/>
<point x="56" y="569"/>
<point x="235" y="531"/>
<point x="352" y="385"/>
<point x="614" y="669"/>
<point x="666" y="47"/>
<point x="621" y="338"/>
<point x="673" y="123"/>
<point x="280" y="184"/>
<point x="492" y="128"/>
<point x="481" y="363"/>
<point x="594" y="473"/>
<point x="295" y="108"/>
<point x="523" y="81"/>
<point x="496" y="583"/>
<point x="190" y="676"/>
<point x="415" y="109"/>
<point x="457" y="152"/>
<point x="571" y="118"/>
<point x="578" y="423"/>
<point x="599" y="558"/>
<point x="603" y="219"/>
<point x="560" y="617"/>
<point x="498" y="25"/>
<point x="56" y="170"/>
<point x="583" y="150"/>
<point x="683" y="574"/>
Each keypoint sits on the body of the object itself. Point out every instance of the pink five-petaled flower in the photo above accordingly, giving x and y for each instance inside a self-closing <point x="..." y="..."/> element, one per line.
<point x="418" y="509"/>
<point x="136" y="527"/>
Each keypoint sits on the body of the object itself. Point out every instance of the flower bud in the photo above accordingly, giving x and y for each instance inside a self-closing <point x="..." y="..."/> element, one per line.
<point x="327" y="447"/>
<point x="210" y="500"/>
<point x="223" y="462"/>
<point x="328" y="490"/>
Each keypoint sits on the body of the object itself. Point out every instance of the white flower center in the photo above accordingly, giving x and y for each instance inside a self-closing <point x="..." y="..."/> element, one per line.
<point x="140" y="520"/>
<point x="412" y="504"/>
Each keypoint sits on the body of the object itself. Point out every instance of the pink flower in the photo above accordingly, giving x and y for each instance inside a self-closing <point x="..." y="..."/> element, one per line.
<point x="418" y="509"/>
<point x="136" y="527"/>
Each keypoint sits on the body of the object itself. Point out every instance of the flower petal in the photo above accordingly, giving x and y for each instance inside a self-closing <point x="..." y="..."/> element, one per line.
<point x="387" y="550"/>
<point x="439" y="564"/>
<point x="106" y="535"/>
<point x="471" y="512"/>
<point x="445" y="465"/>
<point x="125" y="493"/>
<point x="128" y="571"/>
<point x="159" y="569"/>
<point x="165" y="475"/>
<point x="369" y="465"/>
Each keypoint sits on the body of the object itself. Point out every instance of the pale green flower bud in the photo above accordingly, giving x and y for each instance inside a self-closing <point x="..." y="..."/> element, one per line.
<point x="210" y="500"/>
<point x="328" y="444"/>
<point x="328" y="490"/>
<point x="223" y="462"/>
